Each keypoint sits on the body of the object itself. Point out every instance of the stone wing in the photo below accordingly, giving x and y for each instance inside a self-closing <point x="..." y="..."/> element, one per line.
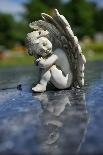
<point x="70" y="43"/>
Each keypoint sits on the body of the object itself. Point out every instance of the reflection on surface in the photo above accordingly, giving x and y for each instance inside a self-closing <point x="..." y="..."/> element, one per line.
<point x="40" y="124"/>
<point x="51" y="123"/>
<point x="63" y="122"/>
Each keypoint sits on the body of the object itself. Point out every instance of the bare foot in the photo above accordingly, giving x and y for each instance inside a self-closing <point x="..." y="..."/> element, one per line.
<point x="39" y="88"/>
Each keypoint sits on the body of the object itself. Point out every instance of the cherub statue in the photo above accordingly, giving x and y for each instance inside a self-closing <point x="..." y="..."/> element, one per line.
<point x="57" y="52"/>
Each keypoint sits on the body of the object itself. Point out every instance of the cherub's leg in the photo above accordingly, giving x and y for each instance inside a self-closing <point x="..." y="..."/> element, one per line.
<point x="56" y="76"/>
<point x="45" y="78"/>
<point x="59" y="79"/>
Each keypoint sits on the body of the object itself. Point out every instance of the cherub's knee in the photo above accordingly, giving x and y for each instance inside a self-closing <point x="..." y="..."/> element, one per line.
<point x="46" y="76"/>
<point x="55" y="71"/>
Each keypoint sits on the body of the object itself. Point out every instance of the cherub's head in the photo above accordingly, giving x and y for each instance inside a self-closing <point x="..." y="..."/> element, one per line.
<point x="39" y="46"/>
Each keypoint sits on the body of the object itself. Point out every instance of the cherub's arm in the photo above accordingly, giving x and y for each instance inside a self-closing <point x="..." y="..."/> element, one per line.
<point x="48" y="62"/>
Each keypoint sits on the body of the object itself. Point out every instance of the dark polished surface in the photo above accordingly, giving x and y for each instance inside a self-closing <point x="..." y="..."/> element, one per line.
<point x="54" y="122"/>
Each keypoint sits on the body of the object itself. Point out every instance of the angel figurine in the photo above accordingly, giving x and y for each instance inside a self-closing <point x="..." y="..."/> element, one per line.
<point x="57" y="52"/>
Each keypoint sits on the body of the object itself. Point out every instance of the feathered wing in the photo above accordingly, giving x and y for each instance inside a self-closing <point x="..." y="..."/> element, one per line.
<point x="62" y="36"/>
<point x="70" y="44"/>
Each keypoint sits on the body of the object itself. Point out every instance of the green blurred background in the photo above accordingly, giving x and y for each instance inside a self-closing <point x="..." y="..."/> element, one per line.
<point x="84" y="16"/>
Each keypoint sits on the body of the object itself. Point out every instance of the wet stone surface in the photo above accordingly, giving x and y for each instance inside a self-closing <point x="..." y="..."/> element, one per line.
<point x="54" y="122"/>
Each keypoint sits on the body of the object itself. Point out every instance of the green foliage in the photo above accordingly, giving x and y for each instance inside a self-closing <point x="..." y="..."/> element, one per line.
<point x="98" y="20"/>
<point x="85" y="18"/>
<point x="6" y="25"/>
<point x="25" y="60"/>
<point x="93" y="51"/>
<point x="11" y="31"/>
<point x="35" y="7"/>
<point x="53" y="4"/>
<point x="97" y="47"/>
<point x="19" y="32"/>
<point x="80" y="15"/>
<point x="33" y="10"/>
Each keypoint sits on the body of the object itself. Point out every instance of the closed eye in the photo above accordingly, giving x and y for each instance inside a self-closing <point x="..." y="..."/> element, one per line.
<point x="44" y="43"/>
<point x="39" y="32"/>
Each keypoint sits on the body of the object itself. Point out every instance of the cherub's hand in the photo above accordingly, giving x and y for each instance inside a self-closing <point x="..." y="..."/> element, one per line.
<point x="38" y="61"/>
<point x="47" y="63"/>
<point x="41" y="63"/>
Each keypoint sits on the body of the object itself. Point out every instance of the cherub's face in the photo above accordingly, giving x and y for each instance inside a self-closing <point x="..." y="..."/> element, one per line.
<point x="43" y="47"/>
<point x="40" y="45"/>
